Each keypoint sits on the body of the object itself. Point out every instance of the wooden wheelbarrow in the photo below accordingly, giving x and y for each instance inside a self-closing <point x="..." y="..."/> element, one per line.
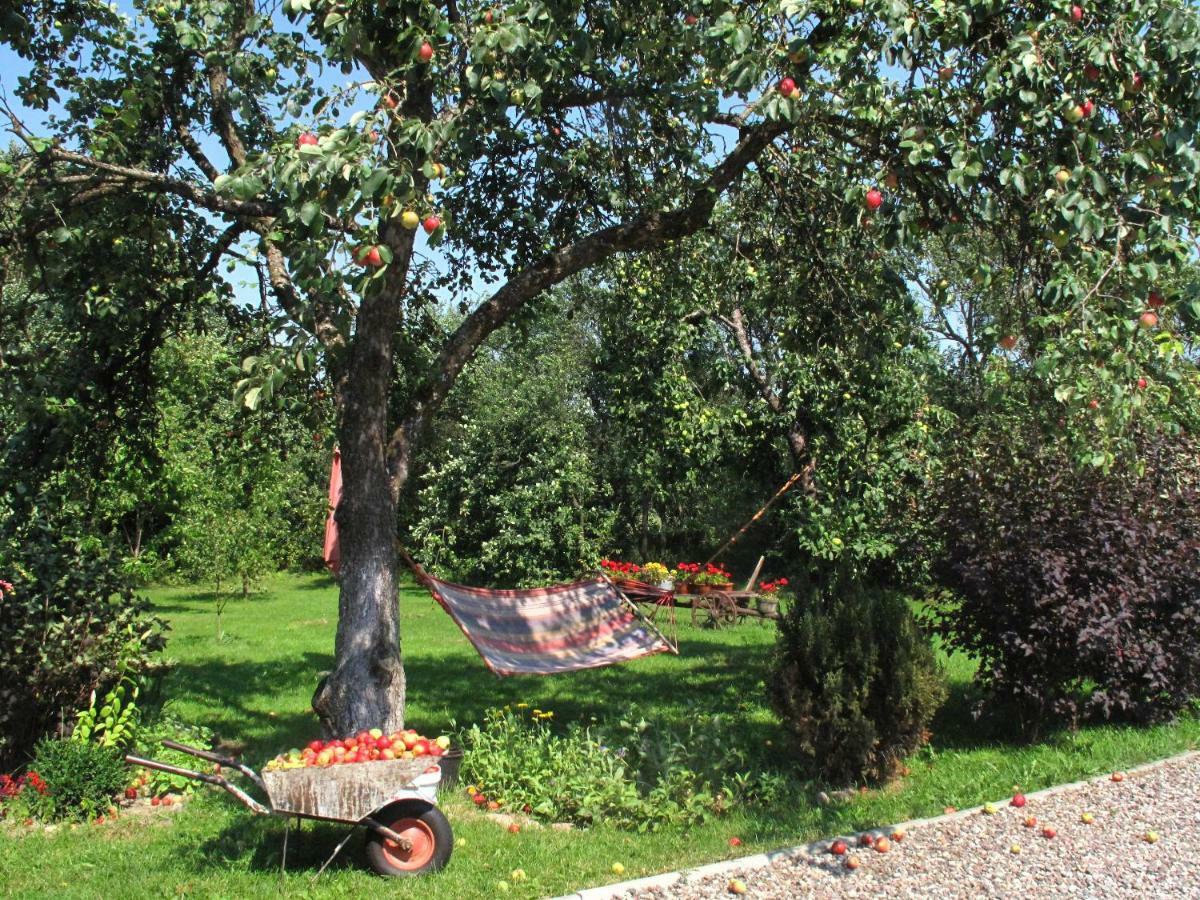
<point x="395" y="799"/>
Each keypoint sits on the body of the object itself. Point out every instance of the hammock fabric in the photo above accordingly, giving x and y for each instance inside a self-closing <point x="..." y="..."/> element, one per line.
<point x="333" y="548"/>
<point x="545" y="631"/>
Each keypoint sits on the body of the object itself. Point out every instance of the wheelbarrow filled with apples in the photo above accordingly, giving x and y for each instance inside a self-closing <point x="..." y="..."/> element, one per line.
<point x="386" y="783"/>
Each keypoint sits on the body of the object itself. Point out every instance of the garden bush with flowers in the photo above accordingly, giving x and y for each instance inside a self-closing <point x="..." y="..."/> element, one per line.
<point x="632" y="773"/>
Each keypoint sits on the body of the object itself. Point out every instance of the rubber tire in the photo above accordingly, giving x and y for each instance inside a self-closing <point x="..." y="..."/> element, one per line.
<point x="434" y="820"/>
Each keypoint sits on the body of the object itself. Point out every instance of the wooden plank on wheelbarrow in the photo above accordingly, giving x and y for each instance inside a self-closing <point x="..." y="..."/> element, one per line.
<point x="344" y="792"/>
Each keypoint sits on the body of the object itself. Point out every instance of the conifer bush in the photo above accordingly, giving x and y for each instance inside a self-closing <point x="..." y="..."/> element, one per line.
<point x="854" y="680"/>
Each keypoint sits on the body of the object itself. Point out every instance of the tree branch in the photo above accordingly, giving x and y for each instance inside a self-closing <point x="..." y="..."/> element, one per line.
<point x="645" y="232"/>
<point x="207" y="199"/>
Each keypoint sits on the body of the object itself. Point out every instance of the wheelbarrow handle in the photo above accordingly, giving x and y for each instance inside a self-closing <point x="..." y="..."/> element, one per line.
<point x="215" y="780"/>
<point x="219" y="760"/>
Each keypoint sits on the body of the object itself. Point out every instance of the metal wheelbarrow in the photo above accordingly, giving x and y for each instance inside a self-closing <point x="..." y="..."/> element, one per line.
<point x="395" y="799"/>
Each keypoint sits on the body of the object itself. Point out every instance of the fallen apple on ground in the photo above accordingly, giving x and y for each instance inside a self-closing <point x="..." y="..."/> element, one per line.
<point x="852" y="862"/>
<point x="737" y="886"/>
<point x="1087" y="818"/>
<point x="1118" y="776"/>
<point x="1018" y="801"/>
<point x="838" y="847"/>
<point x="1048" y="832"/>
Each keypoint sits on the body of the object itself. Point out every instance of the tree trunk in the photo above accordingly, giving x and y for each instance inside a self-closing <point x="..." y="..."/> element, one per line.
<point x="366" y="687"/>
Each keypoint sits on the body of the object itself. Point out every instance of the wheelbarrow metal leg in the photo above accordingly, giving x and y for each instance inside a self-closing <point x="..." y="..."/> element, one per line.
<point x="333" y="855"/>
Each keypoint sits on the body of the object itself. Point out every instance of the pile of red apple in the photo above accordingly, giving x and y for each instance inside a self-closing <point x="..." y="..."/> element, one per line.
<point x="366" y="746"/>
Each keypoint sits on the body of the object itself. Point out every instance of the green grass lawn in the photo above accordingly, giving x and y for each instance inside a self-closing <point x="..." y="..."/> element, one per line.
<point x="253" y="688"/>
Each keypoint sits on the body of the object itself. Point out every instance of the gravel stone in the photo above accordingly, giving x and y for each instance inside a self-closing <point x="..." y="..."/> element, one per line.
<point x="969" y="855"/>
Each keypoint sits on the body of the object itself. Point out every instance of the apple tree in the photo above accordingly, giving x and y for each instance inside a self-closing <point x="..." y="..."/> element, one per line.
<point x="383" y="157"/>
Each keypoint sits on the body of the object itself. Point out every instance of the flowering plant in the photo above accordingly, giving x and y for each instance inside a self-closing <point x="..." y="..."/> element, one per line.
<point x="772" y="587"/>
<point x="22" y="797"/>
<point x="714" y="575"/>
<point x="655" y="572"/>
<point x="5" y="586"/>
<point x="621" y="569"/>
<point x="686" y="572"/>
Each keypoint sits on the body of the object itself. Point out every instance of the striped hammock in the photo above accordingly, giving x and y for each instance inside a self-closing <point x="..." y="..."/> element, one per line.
<point x="544" y="631"/>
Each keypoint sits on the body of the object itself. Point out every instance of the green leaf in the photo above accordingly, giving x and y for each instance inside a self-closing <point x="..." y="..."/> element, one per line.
<point x="309" y="212"/>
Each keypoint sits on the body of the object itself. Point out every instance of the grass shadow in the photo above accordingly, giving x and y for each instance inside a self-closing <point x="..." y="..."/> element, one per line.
<point x="225" y="686"/>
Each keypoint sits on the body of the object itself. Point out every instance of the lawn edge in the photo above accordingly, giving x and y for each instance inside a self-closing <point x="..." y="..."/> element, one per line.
<point x="761" y="860"/>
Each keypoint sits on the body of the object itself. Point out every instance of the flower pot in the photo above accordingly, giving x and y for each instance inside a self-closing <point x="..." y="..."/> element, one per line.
<point x="725" y="586"/>
<point x="451" y="762"/>
<point x="768" y="606"/>
<point x="702" y="588"/>
<point x="667" y="585"/>
<point x="682" y="587"/>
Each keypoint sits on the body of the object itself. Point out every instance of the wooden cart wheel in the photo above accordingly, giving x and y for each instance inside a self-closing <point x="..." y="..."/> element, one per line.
<point x="722" y="610"/>
<point x="424" y="826"/>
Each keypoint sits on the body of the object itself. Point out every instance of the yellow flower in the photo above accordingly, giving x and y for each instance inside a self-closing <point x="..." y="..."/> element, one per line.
<point x="537" y="712"/>
<point x="522" y="706"/>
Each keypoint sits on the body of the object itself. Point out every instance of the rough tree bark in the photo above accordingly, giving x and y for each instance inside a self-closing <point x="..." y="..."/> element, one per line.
<point x="366" y="688"/>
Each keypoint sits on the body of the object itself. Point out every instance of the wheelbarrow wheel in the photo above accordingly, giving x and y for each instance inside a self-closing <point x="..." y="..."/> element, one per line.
<point x="424" y="826"/>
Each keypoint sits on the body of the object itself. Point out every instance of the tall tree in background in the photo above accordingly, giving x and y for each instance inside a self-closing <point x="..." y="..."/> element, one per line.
<point x="534" y="140"/>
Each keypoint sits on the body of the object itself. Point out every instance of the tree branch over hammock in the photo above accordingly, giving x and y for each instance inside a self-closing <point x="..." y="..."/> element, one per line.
<point x="645" y="232"/>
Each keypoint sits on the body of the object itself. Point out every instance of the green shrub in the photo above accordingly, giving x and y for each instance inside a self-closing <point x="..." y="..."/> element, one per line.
<point x="853" y="680"/>
<point x="82" y="778"/>
<point x="631" y="774"/>
<point x="167" y="726"/>
<point x="71" y="624"/>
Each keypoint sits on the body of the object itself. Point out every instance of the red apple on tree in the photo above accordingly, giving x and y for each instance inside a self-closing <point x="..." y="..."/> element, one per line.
<point x="1087" y="108"/>
<point x="308" y="139"/>
<point x="1148" y="319"/>
<point x="1091" y="73"/>
<point x="787" y="86"/>
<point x="365" y="256"/>
<point x="1155" y="300"/>
<point x="1141" y="383"/>
<point x="690" y="19"/>
<point x="431" y="224"/>
<point x="426" y="52"/>
<point x="874" y="199"/>
<point x="1009" y="341"/>
<point x="1076" y="13"/>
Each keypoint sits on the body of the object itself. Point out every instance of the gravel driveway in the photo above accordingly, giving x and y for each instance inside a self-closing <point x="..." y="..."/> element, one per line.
<point x="975" y="854"/>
